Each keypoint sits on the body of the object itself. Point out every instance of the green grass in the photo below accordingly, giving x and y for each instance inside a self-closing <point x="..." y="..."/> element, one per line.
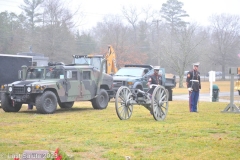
<point x="86" y="133"/>
<point x="98" y="134"/>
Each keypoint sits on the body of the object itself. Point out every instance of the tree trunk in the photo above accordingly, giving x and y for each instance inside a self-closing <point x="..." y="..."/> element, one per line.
<point x="223" y="71"/>
<point x="181" y="81"/>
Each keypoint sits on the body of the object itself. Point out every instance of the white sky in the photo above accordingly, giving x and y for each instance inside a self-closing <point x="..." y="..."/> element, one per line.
<point x="198" y="10"/>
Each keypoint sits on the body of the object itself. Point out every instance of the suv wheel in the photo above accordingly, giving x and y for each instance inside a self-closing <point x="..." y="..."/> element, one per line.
<point x="7" y="104"/>
<point x="101" y="101"/>
<point x="46" y="103"/>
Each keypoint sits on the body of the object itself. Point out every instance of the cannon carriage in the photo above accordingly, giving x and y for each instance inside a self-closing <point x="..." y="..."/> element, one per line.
<point x="156" y="103"/>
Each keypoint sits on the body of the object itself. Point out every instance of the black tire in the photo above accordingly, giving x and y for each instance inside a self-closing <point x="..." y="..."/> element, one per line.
<point x="65" y="104"/>
<point x="159" y="103"/>
<point x="46" y="103"/>
<point x="7" y="104"/>
<point x="101" y="101"/>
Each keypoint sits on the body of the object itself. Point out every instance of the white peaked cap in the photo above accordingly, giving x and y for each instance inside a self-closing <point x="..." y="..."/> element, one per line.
<point x="156" y="67"/>
<point x="196" y="64"/>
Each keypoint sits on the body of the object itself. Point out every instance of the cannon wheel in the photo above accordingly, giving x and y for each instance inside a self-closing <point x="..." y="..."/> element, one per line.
<point x="122" y="103"/>
<point x="159" y="103"/>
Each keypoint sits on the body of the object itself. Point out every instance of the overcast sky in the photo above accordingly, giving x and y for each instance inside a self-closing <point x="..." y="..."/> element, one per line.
<point x="94" y="10"/>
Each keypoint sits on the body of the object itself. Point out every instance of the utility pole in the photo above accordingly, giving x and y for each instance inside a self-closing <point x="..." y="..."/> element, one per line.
<point x="158" y="42"/>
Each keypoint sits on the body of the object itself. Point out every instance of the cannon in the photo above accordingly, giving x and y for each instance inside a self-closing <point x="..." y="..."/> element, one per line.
<point x="156" y="103"/>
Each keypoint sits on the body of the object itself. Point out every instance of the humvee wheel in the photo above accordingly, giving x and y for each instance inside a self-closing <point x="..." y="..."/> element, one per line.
<point x="46" y="103"/>
<point x="101" y="101"/>
<point x="159" y="103"/>
<point x="7" y="104"/>
<point x="65" y="104"/>
<point x="122" y="103"/>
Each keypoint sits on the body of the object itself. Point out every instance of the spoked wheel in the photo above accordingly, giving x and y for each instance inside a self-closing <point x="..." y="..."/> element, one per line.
<point x="122" y="103"/>
<point x="159" y="103"/>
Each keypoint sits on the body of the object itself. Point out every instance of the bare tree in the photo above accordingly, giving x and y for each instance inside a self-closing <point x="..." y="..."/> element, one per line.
<point x="148" y="14"/>
<point x="58" y="41"/>
<point x="158" y="33"/>
<point x="140" y="31"/>
<point x="225" y="41"/>
<point x="112" y="31"/>
<point x="12" y="32"/>
<point x="131" y="14"/>
<point x="147" y="32"/>
<point x="172" y="41"/>
<point x="85" y="43"/>
<point x="184" y="49"/>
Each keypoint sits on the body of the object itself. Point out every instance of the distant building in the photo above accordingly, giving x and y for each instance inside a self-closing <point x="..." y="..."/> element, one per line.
<point x="38" y="58"/>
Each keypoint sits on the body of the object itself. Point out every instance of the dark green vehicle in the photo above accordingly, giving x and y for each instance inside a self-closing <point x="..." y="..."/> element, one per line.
<point x="47" y="86"/>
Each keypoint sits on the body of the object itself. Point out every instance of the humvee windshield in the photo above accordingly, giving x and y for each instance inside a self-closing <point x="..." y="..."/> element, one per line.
<point x="94" y="61"/>
<point x="51" y="73"/>
<point x="35" y="73"/>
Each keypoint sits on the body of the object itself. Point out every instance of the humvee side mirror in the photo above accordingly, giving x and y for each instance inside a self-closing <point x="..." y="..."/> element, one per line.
<point x="20" y="74"/>
<point x="24" y="72"/>
<point x="69" y="74"/>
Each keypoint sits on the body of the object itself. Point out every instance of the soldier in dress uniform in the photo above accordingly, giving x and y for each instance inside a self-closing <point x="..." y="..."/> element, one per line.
<point x="155" y="78"/>
<point x="193" y="83"/>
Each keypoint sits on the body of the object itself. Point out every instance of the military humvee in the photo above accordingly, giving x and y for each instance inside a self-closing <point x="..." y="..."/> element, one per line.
<point x="47" y="86"/>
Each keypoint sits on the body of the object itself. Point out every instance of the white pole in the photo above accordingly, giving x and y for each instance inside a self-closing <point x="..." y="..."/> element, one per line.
<point x="211" y="91"/>
<point x="211" y="79"/>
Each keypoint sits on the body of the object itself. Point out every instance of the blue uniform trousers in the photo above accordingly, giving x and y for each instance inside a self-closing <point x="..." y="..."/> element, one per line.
<point x="193" y="100"/>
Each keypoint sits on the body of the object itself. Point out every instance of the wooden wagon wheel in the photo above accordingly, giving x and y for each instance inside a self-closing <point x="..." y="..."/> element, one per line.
<point x="159" y="104"/>
<point x="122" y="103"/>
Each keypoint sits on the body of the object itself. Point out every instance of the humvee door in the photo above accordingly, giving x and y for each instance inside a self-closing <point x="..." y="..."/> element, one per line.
<point x="73" y="85"/>
<point x="88" y="84"/>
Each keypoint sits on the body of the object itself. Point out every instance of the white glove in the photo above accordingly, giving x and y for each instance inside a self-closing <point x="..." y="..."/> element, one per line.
<point x="190" y="89"/>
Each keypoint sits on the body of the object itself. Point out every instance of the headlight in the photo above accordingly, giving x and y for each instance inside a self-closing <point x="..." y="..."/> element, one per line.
<point x="37" y="86"/>
<point x="29" y="89"/>
<point x="2" y="87"/>
<point x="129" y="83"/>
<point x="10" y="89"/>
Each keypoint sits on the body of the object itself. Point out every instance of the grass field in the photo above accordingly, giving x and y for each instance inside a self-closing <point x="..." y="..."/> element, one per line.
<point x="85" y="133"/>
